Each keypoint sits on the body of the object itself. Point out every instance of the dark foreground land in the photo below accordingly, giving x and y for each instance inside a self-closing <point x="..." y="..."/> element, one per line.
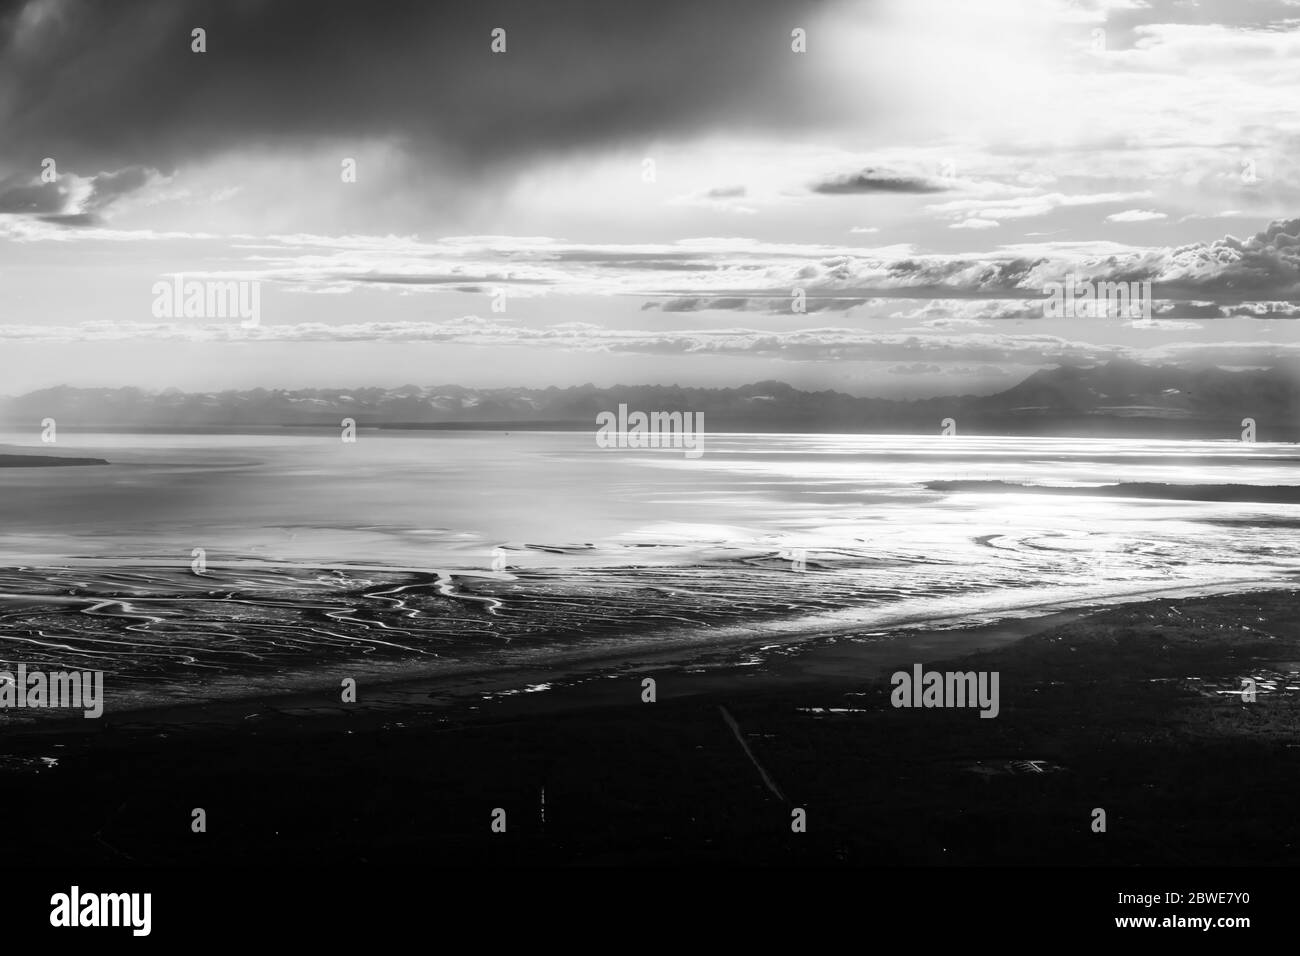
<point x="1131" y="710"/>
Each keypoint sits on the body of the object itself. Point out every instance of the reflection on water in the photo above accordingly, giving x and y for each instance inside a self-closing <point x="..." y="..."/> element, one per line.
<point x="414" y="550"/>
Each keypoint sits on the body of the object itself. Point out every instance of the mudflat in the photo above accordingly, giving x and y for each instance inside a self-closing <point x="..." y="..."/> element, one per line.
<point x="1137" y="711"/>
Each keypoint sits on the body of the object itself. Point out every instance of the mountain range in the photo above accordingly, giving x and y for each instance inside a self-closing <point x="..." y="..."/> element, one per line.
<point x="1117" y="398"/>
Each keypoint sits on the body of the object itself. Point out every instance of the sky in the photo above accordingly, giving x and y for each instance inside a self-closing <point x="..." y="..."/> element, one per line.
<point x="869" y="196"/>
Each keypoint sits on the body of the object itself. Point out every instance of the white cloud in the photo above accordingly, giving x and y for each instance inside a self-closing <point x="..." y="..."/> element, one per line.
<point x="1135" y="215"/>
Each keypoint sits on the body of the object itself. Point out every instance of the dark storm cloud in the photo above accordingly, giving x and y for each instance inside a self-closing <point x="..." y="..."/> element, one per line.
<point x="108" y="187"/>
<point x="875" y="181"/>
<point x="53" y="201"/>
<point x="31" y="196"/>
<point x="106" y="85"/>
